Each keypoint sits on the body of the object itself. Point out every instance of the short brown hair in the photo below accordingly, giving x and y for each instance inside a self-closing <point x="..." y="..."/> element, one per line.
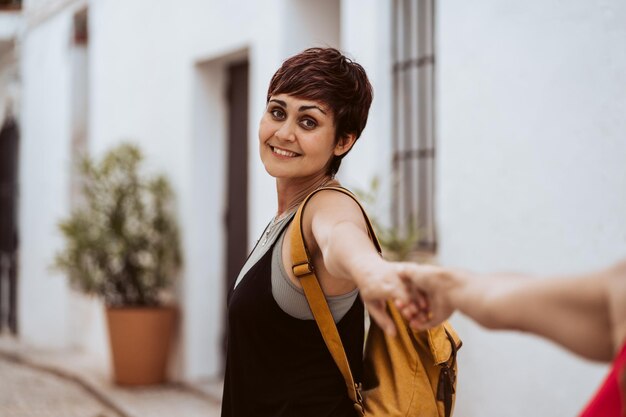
<point x="326" y="75"/>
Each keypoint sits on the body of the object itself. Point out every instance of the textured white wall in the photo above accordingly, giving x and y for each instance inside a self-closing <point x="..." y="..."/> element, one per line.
<point x="10" y="23"/>
<point x="50" y="314"/>
<point x="44" y="183"/>
<point x="366" y="37"/>
<point x="531" y="175"/>
<point x="306" y="23"/>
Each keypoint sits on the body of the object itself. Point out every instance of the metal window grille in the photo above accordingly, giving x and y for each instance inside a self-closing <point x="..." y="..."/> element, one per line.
<point x="413" y="119"/>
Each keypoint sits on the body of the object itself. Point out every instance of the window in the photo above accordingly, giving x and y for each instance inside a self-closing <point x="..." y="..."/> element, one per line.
<point x="413" y="119"/>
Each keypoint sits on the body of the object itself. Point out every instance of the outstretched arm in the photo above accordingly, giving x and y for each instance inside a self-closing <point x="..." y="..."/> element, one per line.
<point x="343" y="252"/>
<point x="578" y="312"/>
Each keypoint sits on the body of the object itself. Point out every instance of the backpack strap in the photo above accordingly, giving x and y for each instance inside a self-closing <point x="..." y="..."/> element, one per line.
<point x="303" y="269"/>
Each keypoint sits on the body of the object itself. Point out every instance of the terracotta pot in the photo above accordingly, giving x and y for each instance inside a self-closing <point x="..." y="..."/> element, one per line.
<point x="140" y="343"/>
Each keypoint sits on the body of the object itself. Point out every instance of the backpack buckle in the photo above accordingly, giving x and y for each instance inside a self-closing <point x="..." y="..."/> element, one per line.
<point x="358" y="405"/>
<point x="302" y="269"/>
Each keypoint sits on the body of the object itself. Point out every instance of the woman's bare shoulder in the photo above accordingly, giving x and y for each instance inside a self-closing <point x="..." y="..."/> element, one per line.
<point x="326" y="209"/>
<point x="335" y="202"/>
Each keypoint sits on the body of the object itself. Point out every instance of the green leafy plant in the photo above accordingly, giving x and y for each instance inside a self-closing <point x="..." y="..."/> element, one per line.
<point x="122" y="244"/>
<point x="398" y="244"/>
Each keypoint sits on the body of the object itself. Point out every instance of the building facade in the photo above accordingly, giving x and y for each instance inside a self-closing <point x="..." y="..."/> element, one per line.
<point x="498" y="125"/>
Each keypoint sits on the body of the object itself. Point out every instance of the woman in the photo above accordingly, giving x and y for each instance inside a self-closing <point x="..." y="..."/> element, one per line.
<point x="277" y="363"/>
<point x="585" y="314"/>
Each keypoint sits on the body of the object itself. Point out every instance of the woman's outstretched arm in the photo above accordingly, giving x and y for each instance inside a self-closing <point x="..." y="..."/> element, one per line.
<point x="343" y="253"/>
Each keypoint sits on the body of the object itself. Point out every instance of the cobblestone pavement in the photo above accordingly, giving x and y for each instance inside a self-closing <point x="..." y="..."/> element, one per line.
<point x="37" y="382"/>
<point x="27" y="392"/>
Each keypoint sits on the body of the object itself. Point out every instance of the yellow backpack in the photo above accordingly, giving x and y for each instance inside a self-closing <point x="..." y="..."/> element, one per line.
<point x="410" y="375"/>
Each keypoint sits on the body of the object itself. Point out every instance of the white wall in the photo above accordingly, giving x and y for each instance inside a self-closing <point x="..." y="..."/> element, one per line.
<point x="366" y="37"/>
<point x="50" y="313"/>
<point x="43" y="310"/>
<point x="308" y="23"/>
<point x="10" y="23"/>
<point x="531" y="175"/>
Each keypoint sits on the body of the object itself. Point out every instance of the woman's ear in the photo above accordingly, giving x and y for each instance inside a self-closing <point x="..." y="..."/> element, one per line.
<point x="344" y="144"/>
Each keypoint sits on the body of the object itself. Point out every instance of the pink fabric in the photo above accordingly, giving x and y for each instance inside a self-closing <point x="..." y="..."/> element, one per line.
<point x="608" y="402"/>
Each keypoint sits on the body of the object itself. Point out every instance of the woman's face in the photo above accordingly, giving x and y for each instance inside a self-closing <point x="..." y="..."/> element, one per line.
<point x="297" y="137"/>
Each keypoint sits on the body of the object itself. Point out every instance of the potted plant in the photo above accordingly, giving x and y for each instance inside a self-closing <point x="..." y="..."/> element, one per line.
<point x="122" y="245"/>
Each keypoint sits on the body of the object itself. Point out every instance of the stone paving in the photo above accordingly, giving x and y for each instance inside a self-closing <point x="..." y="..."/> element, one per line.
<point x="46" y="383"/>
<point x="27" y="392"/>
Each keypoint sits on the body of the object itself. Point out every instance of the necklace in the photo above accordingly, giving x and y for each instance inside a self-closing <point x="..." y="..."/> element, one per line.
<point x="285" y="214"/>
<point x="273" y="223"/>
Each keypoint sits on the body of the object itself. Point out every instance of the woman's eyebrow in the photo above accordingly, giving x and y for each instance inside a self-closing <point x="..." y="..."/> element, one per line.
<point x="303" y="108"/>
<point x="279" y="102"/>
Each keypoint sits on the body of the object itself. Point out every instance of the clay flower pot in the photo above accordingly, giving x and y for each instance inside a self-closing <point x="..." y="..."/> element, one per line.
<point x="140" y="341"/>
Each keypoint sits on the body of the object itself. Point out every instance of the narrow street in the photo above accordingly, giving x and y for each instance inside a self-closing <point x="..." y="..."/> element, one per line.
<point x="66" y="383"/>
<point x="27" y="392"/>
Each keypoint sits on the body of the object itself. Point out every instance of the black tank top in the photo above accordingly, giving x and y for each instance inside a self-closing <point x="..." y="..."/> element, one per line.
<point x="278" y="365"/>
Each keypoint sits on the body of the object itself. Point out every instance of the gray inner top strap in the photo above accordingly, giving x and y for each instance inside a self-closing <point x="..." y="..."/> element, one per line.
<point x="289" y="297"/>
<point x="263" y="245"/>
<point x="292" y="300"/>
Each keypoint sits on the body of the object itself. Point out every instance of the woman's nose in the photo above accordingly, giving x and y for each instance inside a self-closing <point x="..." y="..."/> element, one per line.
<point x="286" y="132"/>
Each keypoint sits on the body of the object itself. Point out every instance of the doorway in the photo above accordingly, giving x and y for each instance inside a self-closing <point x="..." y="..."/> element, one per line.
<point x="237" y="174"/>
<point x="237" y="188"/>
<point x="9" y="138"/>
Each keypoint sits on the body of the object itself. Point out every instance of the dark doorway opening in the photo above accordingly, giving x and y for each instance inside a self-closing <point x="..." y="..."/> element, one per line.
<point x="237" y="173"/>
<point x="9" y="141"/>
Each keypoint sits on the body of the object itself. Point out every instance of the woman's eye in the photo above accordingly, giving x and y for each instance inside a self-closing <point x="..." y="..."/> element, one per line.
<point x="277" y="113"/>
<point x="308" y="123"/>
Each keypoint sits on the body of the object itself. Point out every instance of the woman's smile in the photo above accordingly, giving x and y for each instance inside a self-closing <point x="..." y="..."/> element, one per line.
<point x="283" y="153"/>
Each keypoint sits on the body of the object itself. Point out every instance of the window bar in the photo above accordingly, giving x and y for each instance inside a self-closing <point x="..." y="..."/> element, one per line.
<point x="422" y="190"/>
<point x="433" y="136"/>
<point x="426" y="176"/>
<point x="413" y="219"/>
<point x="407" y="174"/>
<point x="399" y="114"/>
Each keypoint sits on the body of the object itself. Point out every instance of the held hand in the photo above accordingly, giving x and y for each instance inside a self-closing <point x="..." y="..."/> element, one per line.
<point x="379" y="284"/>
<point x="430" y="290"/>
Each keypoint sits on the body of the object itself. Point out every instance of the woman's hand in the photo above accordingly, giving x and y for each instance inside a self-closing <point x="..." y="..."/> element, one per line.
<point x="431" y="291"/>
<point x="382" y="281"/>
